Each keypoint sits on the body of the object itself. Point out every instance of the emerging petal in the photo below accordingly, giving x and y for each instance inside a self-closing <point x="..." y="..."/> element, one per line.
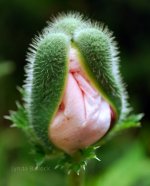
<point x="83" y="116"/>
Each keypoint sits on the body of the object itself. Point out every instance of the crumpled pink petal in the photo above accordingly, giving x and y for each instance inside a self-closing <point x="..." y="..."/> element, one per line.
<point x="83" y="117"/>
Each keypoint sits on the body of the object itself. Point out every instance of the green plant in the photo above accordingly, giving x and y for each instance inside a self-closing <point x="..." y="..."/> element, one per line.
<point x="49" y="64"/>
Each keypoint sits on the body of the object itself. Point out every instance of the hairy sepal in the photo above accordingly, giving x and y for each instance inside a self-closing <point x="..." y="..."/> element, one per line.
<point x="100" y="62"/>
<point x="48" y="83"/>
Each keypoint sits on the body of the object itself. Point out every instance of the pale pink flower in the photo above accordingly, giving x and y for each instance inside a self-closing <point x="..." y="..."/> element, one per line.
<point x="83" y="116"/>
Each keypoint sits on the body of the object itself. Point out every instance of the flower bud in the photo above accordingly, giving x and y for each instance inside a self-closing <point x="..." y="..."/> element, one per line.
<point x="73" y="87"/>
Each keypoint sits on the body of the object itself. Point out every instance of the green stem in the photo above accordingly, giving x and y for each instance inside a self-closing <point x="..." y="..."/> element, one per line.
<point x="76" y="180"/>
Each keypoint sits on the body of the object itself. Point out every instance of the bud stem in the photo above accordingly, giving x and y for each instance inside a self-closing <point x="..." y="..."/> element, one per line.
<point x="75" y="179"/>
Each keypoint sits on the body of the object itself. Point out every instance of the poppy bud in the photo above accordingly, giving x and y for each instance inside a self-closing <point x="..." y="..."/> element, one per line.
<point x="73" y="90"/>
<point x="73" y="86"/>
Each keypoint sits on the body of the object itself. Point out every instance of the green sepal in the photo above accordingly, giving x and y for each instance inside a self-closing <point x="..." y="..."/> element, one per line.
<point x="98" y="57"/>
<point x="48" y="83"/>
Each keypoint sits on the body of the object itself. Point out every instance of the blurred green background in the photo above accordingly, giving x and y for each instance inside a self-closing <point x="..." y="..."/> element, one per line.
<point x="125" y="160"/>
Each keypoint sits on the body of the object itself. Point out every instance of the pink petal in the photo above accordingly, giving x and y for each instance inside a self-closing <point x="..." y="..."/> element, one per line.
<point x="83" y="117"/>
<point x="64" y="130"/>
